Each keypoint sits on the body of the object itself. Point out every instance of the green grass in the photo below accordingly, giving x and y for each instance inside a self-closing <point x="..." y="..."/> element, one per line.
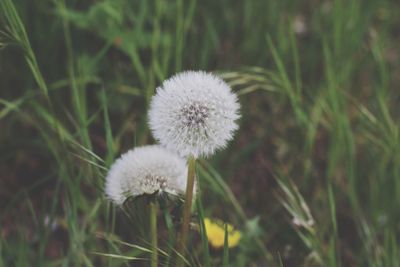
<point x="312" y="177"/>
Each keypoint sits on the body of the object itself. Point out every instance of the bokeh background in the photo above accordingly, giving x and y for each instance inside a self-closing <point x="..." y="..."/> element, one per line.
<point x="312" y="177"/>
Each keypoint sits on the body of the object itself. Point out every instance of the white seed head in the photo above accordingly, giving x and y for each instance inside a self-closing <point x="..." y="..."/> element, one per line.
<point x="194" y="113"/>
<point x="146" y="170"/>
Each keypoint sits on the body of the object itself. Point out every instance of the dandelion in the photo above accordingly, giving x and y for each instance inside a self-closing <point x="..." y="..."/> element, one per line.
<point x="194" y="114"/>
<point x="146" y="170"/>
<point x="216" y="233"/>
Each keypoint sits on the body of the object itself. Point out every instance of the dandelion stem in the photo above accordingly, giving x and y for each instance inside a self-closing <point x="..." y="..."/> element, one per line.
<point x="186" y="210"/>
<point x="153" y="232"/>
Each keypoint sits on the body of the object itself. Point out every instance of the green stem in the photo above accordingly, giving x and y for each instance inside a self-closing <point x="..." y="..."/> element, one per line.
<point x="186" y="211"/>
<point x="153" y="232"/>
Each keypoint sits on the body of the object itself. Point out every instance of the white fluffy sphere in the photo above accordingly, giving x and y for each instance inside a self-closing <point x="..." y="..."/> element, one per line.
<point x="194" y="113"/>
<point x="146" y="170"/>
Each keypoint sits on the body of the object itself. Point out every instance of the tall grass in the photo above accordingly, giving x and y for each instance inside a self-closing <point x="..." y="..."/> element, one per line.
<point x="312" y="180"/>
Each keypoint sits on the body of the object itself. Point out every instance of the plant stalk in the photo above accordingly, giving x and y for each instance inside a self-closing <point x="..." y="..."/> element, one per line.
<point x="186" y="211"/>
<point x="153" y="232"/>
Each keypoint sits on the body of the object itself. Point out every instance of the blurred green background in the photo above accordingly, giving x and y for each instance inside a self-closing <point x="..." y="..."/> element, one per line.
<point x="312" y="177"/>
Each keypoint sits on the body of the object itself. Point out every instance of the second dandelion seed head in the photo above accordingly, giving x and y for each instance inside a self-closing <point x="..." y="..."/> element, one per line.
<point x="146" y="170"/>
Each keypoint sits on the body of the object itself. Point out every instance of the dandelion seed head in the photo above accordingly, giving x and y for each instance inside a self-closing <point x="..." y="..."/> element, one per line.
<point x="194" y="113"/>
<point x="146" y="170"/>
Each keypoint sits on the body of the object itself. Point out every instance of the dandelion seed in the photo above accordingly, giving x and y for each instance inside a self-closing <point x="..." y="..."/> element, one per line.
<point x="302" y="222"/>
<point x="194" y="113"/>
<point x="299" y="25"/>
<point x="146" y="170"/>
